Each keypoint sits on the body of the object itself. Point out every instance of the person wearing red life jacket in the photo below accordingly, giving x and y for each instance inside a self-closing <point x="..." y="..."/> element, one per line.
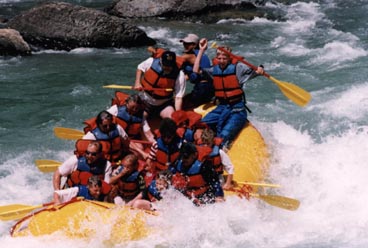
<point x="91" y="191"/>
<point x="186" y="122"/>
<point x="165" y="150"/>
<point x="126" y="180"/>
<point x="78" y="169"/>
<point x="230" y="115"/>
<point x="202" y="184"/>
<point x="161" y="72"/>
<point x="128" y="112"/>
<point x="221" y="161"/>
<point x="153" y="193"/>
<point x="103" y="129"/>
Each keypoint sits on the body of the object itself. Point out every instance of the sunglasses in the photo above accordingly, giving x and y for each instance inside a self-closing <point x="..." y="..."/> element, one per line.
<point x="91" y="153"/>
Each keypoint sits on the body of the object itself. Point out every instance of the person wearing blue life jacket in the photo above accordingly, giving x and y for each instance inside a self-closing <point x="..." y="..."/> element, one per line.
<point x="91" y="191"/>
<point x="229" y="77"/>
<point x="196" y="179"/>
<point x="203" y="90"/>
<point x="149" y="196"/>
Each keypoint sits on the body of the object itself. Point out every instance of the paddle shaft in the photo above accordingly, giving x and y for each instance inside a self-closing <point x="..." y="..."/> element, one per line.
<point x="128" y="87"/>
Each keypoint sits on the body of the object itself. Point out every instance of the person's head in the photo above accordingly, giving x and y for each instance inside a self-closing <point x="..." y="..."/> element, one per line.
<point x="93" y="152"/>
<point x="222" y="57"/>
<point x="94" y="186"/>
<point x="133" y="104"/>
<point x="130" y="162"/>
<point x="190" y="42"/>
<point x="104" y="121"/>
<point x="167" y="130"/>
<point x="168" y="61"/>
<point x="188" y="154"/>
<point x="207" y="136"/>
<point x="181" y="118"/>
<point x="163" y="179"/>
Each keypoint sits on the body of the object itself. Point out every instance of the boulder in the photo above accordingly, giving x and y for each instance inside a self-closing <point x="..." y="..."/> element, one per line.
<point x="179" y="9"/>
<point x="12" y="43"/>
<point x="64" y="26"/>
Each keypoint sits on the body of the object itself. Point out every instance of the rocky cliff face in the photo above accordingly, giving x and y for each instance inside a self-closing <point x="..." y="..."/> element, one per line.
<point x="66" y="26"/>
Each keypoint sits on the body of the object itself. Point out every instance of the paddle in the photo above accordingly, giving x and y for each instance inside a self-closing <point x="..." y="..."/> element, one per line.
<point x="279" y="201"/>
<point x="47" y="165"/>
<point x="274" y="200"/>
<point x="259" y="184"/>
<point x="18" y="211"/>
<point x="291" y="91"/>
<point x="127" y="87"/>
<point x="74" y="134"/>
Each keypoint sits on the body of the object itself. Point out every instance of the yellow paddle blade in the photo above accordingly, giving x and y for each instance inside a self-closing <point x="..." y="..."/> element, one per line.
<point x="293" y="92"/>
<point x="127" y="87"/>
<point x="259" y="184"/>
<point x="116" y="86"/>
<point x="47" y="165"/>
<point x="15" y="211"/>
<point x="279" y="201"/>
<point x="68" y="133"/>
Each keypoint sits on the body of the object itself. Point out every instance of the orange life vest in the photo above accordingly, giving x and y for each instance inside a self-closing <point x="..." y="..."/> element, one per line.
<point x="118" y="146"/>
<point x="128" y="186"/>
<point x="154" y="78"/>
<point x="166" y="154"/>
<point x="226" y="84"/>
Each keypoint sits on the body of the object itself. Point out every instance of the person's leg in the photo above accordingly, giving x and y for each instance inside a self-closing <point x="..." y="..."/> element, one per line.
<point x="233" y="126"/>
<point x="211" y="119"/>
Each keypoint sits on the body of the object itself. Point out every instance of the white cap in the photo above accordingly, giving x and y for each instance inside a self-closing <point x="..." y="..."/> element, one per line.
<point x="191" y="38"/>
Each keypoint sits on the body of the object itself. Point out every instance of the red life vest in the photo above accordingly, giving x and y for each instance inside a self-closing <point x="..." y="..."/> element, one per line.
<point x="153" y="78"/>
<point x="166" y="154"/>
<point x="132" y="124"/>
<point x="196" y="185"/>
<point x="226" y="84"/>
<point x="118" y="146"/>
<point x="129" y="187"/>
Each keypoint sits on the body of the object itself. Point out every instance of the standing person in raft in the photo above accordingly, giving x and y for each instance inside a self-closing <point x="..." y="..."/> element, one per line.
<point x="229" y="77"/>
<point x="163" y="73"/>
<point x="203" y="90"/>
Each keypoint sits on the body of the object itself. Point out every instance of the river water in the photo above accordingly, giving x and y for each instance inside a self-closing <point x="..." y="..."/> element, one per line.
<point x="317" y="152"/>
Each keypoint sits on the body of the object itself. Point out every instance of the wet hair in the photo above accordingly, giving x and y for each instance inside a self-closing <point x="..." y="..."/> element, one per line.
<point x="167" y="127"/>
<point x="227" y="48"/>
<point x="187" y="149"/>
<point x="95" y="181"/>
<point x="96" y="144"/>
<point x="133" y="158"/>
<point x="103" y="115"/>
<point x="134" y="98"/>
<point x="168" y="58"/>
<point x="207" y="136"/>
<point x="165" y="175"/>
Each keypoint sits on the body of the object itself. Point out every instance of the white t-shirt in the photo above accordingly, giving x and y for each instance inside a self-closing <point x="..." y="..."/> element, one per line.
<point x="226" y="162"/>
<point x="67" y="194"/>
<point x="179" y="89"/>
<point x="114" y="111"/>
<point x="71" y="165"/>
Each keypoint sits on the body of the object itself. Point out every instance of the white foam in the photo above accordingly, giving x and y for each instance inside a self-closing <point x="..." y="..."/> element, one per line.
<point x="351" y="104"/>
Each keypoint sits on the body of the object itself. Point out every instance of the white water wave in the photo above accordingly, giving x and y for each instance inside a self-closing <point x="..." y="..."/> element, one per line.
<point x="351" y="104"/>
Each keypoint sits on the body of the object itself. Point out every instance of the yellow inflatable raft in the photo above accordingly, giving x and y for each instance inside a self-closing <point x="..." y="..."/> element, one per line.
<point x="83" y="218"/>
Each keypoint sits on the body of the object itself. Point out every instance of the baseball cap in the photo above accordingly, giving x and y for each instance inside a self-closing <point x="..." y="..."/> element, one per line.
<point x="191" y="38"/>
<point x="168" y="58"/>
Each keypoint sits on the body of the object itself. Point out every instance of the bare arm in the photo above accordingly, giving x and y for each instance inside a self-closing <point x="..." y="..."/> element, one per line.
<point x="138" y="77"/>
<point x="202" y="48"/>
<point x="178" y="103"/>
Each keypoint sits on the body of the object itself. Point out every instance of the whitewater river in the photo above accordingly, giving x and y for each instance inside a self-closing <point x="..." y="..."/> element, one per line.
<point x="318" y="153"/>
